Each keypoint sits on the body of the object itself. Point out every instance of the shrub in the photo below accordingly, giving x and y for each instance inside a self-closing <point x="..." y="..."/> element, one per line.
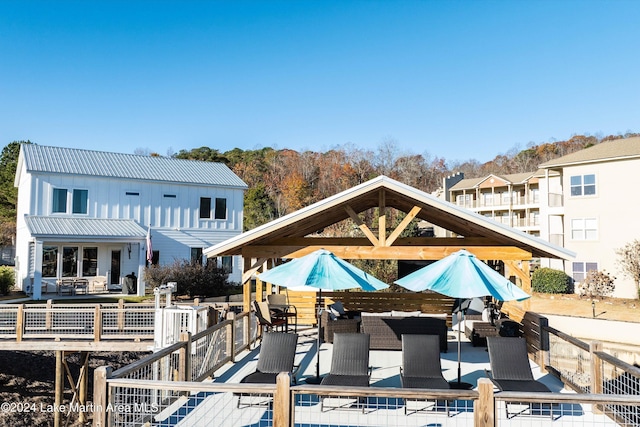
<point x="191" y="278"/>
<point x="596" y="284"/>
<point x="550" y="281"/>
<point x="7" y="280"/>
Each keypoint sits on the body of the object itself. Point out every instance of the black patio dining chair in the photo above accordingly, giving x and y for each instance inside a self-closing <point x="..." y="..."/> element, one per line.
<point x="511" y="371"/>
<point x="349" y="363"/>
<point x="268" y="322"/>
<point x="421" y="367"/>
<point x="277" y="354"/>
<point x="279" y="307"/>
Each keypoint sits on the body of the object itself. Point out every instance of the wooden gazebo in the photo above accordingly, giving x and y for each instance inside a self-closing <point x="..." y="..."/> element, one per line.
<point x="296" y="234"/>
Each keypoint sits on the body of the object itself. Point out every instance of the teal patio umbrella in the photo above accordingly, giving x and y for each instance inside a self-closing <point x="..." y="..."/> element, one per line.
<point x="321" y="270"/>
<point x="462" y="275"/>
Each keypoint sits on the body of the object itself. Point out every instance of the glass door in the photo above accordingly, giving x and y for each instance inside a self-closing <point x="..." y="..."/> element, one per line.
<point x="115" y="267"/>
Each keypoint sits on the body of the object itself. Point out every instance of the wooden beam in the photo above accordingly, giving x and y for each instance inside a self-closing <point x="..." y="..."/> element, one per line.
<point x="382" y="218"/>
<point x="401" y="241"/>
<point x="246" y="275"/>
<point x="391" y="252"/>
<point x="403" y="225"/>
<point x="246" y="289"/>
<point x="363" y="227"/>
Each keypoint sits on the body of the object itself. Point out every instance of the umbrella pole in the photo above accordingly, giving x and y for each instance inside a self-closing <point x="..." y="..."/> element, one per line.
<point x="459" y="358"/>
<point x="317" y="379"/>
<point x="459" y="384"/>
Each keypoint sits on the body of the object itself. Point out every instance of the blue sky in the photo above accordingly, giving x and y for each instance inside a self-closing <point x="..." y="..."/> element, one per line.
<point x="454" y="79"/>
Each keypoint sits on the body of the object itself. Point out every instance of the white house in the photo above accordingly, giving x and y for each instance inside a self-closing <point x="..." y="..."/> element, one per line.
<point x="83" y="214"/>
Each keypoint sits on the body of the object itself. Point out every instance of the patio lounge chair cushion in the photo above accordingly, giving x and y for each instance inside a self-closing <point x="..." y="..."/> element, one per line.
<point x="421" y="366"/>
<point x="510" y="367"/>
<point x="349" y="360"/>
<point x="277" y="353"/>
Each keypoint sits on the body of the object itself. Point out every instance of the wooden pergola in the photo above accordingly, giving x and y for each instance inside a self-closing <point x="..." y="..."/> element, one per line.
<point x="296" y="234"/>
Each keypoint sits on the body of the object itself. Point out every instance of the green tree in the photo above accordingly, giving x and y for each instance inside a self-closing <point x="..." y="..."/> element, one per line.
<point x="8" y="192"/>
<point x="258" y="207"/>
<point x="204" y="154"/>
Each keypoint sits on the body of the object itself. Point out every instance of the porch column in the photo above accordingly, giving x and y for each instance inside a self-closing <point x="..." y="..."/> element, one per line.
<point x="36" y="285"/>
<point x="142" y="263"/>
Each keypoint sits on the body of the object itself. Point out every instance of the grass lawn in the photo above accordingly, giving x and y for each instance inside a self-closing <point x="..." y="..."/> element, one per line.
<point x="572" y="305"/>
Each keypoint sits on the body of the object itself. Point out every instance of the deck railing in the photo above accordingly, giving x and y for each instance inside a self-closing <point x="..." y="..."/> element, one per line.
<point x="164" y="389"/>
<point x="77" y="321"/>
<point x="156" y="403"/>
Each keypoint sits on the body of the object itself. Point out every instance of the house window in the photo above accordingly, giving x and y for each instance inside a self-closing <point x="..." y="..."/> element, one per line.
<point x="205" y="207"/>
<point x="49" y="261"/>
<point x="131" y="193"/>
<point x="583" y="185"/>
<point x="69" y="261"/>
<point x="580" y="270"/>
<point x="196" y="255"/>
<point x="90" y="261"/>
<point x="80" y="201"/>
<point x="584" y="229"/>
<point x="227" y="264"/>
<point x="221" y="209"/>
<point x="59" y="200"/>
<point x="169" y="196"/>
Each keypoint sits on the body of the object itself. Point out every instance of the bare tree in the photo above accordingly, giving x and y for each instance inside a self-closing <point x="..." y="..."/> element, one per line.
<point x="629" y="262"/>
<point x="386" y="156"/>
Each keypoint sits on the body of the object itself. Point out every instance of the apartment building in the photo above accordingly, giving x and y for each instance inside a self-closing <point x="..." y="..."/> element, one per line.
<point x="582" y="201"/>
<point x="512" y="200"/>
<point x="589" y="208"/>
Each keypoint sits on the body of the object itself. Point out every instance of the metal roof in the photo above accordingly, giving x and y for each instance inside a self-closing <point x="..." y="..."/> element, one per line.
<point x="617" y="149"/>
<point x="53" y="226"/>
<point x="43" y="159"/>
<point x="439" y="212"/>
<point x="514" y="178"/>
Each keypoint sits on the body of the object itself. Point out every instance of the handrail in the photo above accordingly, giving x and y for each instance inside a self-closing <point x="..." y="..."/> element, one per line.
<point x="581" y="344"/>
<point x="154" y="357"/>
<point x="627" y="367"/>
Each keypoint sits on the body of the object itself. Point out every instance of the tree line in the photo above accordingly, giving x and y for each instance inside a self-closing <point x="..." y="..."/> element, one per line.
<point x="283" y="181"/>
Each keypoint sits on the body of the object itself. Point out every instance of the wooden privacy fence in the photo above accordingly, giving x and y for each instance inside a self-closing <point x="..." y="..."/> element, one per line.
<point x="372" y="302"/>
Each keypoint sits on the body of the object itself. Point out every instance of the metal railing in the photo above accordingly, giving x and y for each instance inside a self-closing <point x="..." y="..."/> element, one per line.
<point x="77" y="321"/>
<point x="191" y="360"/>
<point x="160" y="403"/>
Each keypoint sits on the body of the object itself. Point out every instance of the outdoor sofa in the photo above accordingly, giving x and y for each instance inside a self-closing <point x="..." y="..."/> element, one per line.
<point x="386" y="329"/>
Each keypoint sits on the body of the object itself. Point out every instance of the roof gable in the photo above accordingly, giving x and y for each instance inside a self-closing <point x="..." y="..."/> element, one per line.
<point x="71" y="161"/>
<point x="394" y="194"/>
<point x="617" y="149"/>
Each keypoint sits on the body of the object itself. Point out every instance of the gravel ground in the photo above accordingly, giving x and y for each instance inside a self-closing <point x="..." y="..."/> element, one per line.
<point x="27" y="384"/>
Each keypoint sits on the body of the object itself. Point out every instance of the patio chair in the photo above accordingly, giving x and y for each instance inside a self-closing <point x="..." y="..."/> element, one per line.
<point x="510" y="368"/>
<point x="268" y="322"/>
<point x="349" y="362"/>
<point x="277" y="354"/>
<point x="280" y="307"/>
<point x="421" y="366"/>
